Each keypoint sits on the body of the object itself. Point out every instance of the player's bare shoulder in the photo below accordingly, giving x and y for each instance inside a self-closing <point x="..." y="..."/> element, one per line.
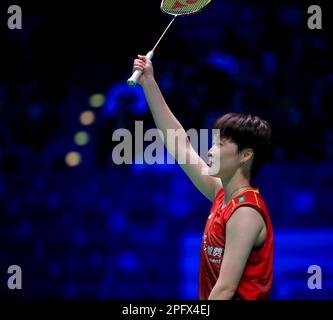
<point x="218" y="186"/>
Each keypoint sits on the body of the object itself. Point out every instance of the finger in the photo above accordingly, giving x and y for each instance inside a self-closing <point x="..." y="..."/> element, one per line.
<point x="138" y="66"/>
<point x="139" y="61"/>
<point x="144" y="58"/>
<point x="137" y="69"/>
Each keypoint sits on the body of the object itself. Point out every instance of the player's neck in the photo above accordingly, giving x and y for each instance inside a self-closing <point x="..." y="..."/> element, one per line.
<point x="233" y="186"/>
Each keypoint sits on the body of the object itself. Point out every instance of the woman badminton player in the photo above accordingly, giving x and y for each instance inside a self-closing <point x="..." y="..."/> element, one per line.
<point x="236" y="258"/>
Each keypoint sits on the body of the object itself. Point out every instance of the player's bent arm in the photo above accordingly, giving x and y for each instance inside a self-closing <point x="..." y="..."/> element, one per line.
<point x="180" y="147"/>
<point x="242" y="230"/>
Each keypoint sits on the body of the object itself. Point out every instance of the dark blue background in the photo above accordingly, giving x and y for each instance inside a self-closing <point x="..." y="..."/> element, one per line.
<point x="102" y="231"/>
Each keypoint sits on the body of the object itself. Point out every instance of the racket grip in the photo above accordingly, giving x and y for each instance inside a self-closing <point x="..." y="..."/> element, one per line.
<point x="137" y="73"/>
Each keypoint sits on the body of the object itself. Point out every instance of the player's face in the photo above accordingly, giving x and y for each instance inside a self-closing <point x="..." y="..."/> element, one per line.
<point x="224" y="158"/>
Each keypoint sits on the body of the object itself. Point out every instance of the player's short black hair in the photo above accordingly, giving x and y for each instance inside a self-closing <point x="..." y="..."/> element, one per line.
<point x="247" y="131"/>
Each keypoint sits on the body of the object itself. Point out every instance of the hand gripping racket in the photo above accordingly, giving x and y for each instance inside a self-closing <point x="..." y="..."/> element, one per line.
<point x="175" y="8"/>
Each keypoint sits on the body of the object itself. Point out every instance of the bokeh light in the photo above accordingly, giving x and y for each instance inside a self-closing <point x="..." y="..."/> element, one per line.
<point x="81" y="138"/>
<point x="73" y="159"/>
<point x="97" y="100"/>
<point x="87" y="118"/>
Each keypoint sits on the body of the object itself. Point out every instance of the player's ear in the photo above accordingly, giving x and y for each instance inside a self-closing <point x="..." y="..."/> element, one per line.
<point x="246" y="155"/>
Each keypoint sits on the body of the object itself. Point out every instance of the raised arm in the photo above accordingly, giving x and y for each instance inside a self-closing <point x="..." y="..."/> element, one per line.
<point x="179" y="148"/>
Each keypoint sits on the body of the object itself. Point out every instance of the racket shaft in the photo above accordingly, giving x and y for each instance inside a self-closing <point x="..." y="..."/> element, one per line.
<point x="137" y="73"/>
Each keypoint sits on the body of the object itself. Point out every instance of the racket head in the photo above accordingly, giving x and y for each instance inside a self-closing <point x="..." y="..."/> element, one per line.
<point x="182" y="7"/>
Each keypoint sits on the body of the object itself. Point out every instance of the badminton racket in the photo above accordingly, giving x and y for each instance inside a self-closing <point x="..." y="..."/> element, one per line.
<point x="175" y="8"/>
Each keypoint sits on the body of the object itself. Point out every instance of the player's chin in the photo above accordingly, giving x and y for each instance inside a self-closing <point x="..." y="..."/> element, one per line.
<point x="214" y="171"/>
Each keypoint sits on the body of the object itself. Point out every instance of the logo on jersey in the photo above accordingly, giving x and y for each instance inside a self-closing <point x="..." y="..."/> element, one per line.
<point x="214" y="253"/>
<point x="241" y="199"/>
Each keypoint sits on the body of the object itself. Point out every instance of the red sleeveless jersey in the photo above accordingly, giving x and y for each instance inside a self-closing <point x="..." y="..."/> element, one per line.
<point x="256" y="281"/>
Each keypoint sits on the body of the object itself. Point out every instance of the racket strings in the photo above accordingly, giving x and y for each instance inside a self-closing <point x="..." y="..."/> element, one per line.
<point x="180" y="7"/>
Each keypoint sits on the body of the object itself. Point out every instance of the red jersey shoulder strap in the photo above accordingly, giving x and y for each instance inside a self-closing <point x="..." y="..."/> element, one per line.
<point x="251" y="198"/>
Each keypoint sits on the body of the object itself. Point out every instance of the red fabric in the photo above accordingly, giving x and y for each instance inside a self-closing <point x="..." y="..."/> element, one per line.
<point x="256" y="281"/>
